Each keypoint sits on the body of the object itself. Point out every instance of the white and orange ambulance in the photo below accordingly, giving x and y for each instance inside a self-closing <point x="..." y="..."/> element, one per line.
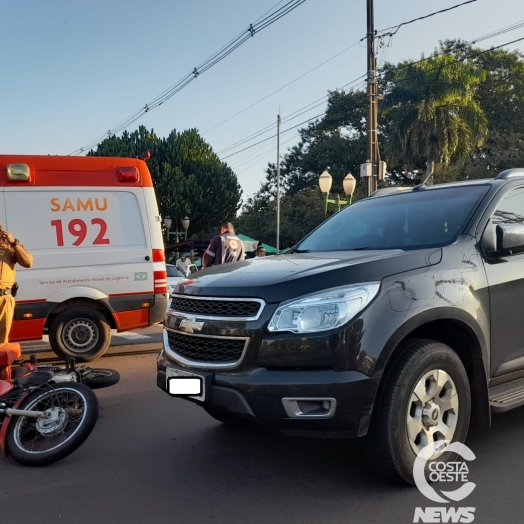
<point x="93" y="227"/>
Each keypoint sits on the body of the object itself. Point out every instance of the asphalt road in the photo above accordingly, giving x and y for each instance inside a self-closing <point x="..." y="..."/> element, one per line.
<point x="155" y="459"/>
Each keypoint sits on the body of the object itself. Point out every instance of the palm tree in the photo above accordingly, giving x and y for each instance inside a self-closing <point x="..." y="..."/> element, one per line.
<point x="432" y="112"/>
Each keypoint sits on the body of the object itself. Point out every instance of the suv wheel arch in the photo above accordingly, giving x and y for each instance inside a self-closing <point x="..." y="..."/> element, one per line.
<point x="461" y="335"/>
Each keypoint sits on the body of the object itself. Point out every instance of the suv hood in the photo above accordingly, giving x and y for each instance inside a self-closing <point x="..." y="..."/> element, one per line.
<point x="282" y="277"/>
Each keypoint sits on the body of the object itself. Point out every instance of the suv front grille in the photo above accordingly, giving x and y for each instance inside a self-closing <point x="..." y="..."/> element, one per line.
<point x="216" y="308"/>
<point x="207" y="349"/>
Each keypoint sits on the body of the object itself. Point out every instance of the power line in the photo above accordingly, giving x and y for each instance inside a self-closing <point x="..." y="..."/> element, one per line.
<point x="249" y="155"/>
<point x="214" y="59"/>
<point x="280" y="88"/>
<point x="258" y="154"/>
<point x="271" y="126"/>
<point x="262" y="133"/>
<point x="506" y="29"/>
<point x="263" y="155"/>
<point x="287" y="119"/>
<point x="276" y="5"/>
<point x="291" y="116"/>
<point x="471" y="42"/>
<point x="468" y="57"/>
<point x="229" y="48"/>
<point x="273" y="136"/>
<point x="473" y="55"/>
<point x="383" y="31"/>
<point x="256" y="135"/>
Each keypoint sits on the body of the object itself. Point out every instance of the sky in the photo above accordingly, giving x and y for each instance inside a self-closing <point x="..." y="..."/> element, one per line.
<point x="73" y="70"/>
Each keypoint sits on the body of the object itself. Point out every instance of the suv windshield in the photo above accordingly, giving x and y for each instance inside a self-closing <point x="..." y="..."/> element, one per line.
<point x="411" y="220"/>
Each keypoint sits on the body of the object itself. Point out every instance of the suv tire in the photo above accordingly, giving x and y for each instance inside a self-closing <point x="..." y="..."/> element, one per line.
<point x="426" y="397"/>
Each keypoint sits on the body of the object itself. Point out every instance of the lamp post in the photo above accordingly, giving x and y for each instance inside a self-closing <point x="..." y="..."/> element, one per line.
<point x="326" y="180"/>
<point x="168" y="221"/>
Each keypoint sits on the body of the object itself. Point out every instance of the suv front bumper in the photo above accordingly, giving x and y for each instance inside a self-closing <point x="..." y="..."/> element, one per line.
<point x="339" y="404"/>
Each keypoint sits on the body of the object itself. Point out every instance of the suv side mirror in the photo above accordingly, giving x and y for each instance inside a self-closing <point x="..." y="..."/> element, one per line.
<point x="510" y="239"/>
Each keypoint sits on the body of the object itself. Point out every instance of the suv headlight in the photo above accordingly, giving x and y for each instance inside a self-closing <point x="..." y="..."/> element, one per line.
<point x="322" y="311"/>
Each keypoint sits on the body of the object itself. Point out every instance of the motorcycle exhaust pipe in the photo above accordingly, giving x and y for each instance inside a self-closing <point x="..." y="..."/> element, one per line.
<point x="27" y="413"/>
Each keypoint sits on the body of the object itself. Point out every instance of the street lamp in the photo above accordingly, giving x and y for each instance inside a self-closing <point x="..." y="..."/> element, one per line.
<point x="168" y="222"/>
<point x="349" y="183"/>
<point x="325" y="181"/>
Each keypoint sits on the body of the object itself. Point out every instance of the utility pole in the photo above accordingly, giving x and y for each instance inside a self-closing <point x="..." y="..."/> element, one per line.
<point x="278" y="182"/>
<point x="372" y="120"/>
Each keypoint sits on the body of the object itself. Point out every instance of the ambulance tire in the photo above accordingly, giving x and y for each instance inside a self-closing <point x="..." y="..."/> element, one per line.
<point x="80" y="332"/>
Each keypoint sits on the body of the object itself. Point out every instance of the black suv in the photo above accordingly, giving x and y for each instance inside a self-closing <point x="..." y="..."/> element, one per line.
<point x="401" y="316"/>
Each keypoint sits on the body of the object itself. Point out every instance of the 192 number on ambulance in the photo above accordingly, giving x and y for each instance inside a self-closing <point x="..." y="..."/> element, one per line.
<point x="79" y="229"/>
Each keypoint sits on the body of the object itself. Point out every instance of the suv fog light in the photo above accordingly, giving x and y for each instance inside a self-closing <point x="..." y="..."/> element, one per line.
<point x="309" y="407"/>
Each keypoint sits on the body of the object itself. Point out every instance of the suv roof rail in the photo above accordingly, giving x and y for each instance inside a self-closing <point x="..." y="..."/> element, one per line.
<point x="392" y="189"/>
<point x="510" y="173"/>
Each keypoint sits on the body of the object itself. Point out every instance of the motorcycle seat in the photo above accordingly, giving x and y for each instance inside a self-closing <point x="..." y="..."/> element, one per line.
<point x="9" y="353"/>
<point x="37" y="377"/>
<point x="19" y="372"/>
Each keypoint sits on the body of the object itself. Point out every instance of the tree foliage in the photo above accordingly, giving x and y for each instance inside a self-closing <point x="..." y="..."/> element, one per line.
<point x="300" y="213"/>
<point x="189" y="177"/>
<point x="432" y="111"/>
<point x="460" y="111"/>
<point x="337" y="141"/>
<point x="501" y="93"/>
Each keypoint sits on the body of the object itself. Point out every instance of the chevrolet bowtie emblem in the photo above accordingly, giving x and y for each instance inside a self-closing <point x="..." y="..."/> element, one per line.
<point x="190" y="325"/>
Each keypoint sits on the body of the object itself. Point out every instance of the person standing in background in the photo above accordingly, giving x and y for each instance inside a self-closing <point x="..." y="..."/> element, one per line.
<point x="12" y="252"/>
<point x="224" y="248"/>
<point x="183" y="264"/>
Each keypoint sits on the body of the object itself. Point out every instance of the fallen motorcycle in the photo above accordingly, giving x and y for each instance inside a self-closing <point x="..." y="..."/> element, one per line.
<point x="94" y="378"/>
<point x="46" y="413"/>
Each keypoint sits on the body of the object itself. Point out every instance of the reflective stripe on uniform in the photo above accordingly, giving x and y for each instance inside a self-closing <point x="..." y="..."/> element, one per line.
<point x="210" y="253"/>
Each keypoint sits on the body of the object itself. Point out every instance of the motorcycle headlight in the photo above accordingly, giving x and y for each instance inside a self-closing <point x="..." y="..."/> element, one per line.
<point x="322" y="311"/>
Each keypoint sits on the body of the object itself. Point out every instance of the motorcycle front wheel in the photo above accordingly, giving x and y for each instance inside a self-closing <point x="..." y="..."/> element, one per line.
<point x="100" y="378"/>
<point x="41" y="441"/>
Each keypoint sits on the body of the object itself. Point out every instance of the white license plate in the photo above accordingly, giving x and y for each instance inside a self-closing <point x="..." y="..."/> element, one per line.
<point x="182" y="383"/>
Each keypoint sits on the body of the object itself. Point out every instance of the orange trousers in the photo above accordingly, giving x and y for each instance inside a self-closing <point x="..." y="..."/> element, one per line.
<point x="7" y="310"/>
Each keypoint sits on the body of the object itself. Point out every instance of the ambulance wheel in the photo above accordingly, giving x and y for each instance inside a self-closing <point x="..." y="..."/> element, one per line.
<point x="80" y="332"/>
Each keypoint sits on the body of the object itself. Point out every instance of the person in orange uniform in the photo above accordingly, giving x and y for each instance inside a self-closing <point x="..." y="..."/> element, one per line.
<point x="11" y="253"/>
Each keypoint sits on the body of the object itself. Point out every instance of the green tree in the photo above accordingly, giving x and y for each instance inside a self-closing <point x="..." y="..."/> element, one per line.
<point x="500" y="151"/>
<point x="460" y="112"/>
<point x="501" y="93"/>
<point x="300" y="213"/>
<point x="189" y="177"/>
<point x="432" y="111"/>
<point x="337" y="141"/>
